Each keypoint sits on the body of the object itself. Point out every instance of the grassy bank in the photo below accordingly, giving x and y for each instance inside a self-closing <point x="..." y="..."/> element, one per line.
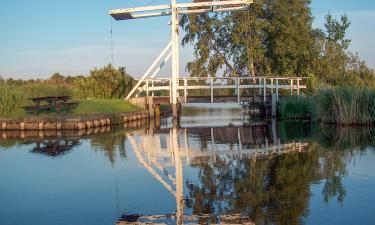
<point x="85" y="107"/>
<point x="341" y="105"/>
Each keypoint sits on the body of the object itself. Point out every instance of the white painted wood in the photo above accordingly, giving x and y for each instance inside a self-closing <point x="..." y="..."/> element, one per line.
<point x="212" y="89"/>
<point x="238" y="81"/>
<point x="264" y="89"/>
<point x="298" y="87"/>
<point x="149" y="70"/>
<point x="185" y="90"/>
<point x="277" y="89"/>
<point x="214" y="3"/>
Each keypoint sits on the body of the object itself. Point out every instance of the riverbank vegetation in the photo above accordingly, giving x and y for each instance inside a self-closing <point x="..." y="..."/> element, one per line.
<point x="274" y="38"/>
<point x="339" y="105"/>
<point x="104" y="83"/>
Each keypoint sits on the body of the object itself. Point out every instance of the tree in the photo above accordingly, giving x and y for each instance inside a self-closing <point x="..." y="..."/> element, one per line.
<point x="271" y="38"/>
<point x="57" y="78"/>
<point x="106" y="82"/>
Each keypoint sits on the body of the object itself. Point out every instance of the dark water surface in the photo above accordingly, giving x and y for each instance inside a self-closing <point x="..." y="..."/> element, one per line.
<point x="213" y="168"/>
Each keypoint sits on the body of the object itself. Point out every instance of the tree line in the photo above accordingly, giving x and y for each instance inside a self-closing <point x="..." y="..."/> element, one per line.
<point x="107" y="82"/>
<point x="274" y="38"/>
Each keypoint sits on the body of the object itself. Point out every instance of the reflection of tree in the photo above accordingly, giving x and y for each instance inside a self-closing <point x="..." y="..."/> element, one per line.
<point x="273" y="190"/>
<point x="110" y="144"/>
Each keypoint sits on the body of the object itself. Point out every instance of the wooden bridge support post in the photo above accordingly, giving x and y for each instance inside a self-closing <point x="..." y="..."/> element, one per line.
<point x="298" y="93"/>
<point x="212" y="90"/>
<point x="238" y="80"/>
<point x="264" y="89"/>
<point x="277" y="90"/>
<point x="147" y="88"/>
<point x="291" y="86"/>
<point x="170" y="90"/>
<point x="150" y="106"/>
<point x="152" y="92"/>
<point x="274" y="105"/>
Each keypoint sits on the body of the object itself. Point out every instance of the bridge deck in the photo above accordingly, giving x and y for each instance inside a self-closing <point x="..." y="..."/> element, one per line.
<point x="211" y="89"/>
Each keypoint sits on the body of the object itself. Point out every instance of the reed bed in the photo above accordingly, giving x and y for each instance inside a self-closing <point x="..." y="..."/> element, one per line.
<point x="347" y="106"/>
<point x="297" y="107"/>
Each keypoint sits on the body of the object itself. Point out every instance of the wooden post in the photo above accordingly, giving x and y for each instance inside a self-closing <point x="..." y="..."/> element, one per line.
<point x="238" y="80"/>
<point x="260" y="83"/>
<point x="152" y="85"/>
<point x="264" y="90"/>
<point x="185" y="90"/>
<point x="291" y="86"/>
<point x="170" y="91"/>
<point x="212" y="90"/>
<point x="298" y="86"/>
<point x="274" y="105"/>
<point x="147" y="88"/>
<point x="277" y="89"/>
<point x="272" y="85"/>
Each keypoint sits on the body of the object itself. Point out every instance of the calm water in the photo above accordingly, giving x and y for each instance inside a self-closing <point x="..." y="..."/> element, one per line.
<point x="213" y="168"/>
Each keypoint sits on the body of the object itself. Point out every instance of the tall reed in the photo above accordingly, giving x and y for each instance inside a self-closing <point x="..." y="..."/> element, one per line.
<point x="346" y="106"/>
<point x="297" y="107"/>
<point x="10" y="99"/>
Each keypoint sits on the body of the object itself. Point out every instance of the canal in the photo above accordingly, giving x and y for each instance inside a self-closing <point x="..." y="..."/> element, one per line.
<point x="216" y="166"/>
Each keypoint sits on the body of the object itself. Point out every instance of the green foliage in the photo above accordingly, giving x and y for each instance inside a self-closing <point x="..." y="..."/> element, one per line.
<point x="274" y="38"/>
<point x="106" y="83"/>
<point x="297" y="107"/>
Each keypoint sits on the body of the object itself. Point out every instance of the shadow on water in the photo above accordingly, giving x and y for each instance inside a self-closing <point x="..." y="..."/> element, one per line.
<point x="243" y="174"/>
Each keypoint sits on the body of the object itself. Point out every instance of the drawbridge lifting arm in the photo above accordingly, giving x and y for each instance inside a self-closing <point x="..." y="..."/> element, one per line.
<point x="182" y="8"/>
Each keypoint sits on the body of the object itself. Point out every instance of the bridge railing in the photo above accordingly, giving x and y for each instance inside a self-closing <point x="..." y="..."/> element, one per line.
<point x="262" y="86"/>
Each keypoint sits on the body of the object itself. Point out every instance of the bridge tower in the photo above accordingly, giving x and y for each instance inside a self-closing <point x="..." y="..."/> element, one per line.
<point x="172" y="50"/>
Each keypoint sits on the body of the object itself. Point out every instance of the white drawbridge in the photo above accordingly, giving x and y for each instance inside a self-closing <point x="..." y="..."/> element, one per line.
<point x="172" y="50"/>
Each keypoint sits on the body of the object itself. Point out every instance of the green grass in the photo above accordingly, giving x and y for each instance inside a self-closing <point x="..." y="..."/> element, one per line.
<point x="86" y="107"/>
<point x="103" y="106"/>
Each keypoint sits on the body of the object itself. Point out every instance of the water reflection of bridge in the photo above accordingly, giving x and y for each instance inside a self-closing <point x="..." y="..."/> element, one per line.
<point x="159" y="150"/>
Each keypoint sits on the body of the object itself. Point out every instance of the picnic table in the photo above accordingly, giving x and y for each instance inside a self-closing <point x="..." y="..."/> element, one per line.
<point x="51" y="103"/>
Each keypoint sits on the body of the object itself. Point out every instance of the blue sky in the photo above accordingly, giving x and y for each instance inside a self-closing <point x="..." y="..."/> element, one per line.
<point x="40" y="37"/>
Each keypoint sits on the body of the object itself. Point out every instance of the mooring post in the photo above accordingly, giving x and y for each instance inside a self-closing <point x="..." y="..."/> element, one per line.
<point x="212" y="90"/>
